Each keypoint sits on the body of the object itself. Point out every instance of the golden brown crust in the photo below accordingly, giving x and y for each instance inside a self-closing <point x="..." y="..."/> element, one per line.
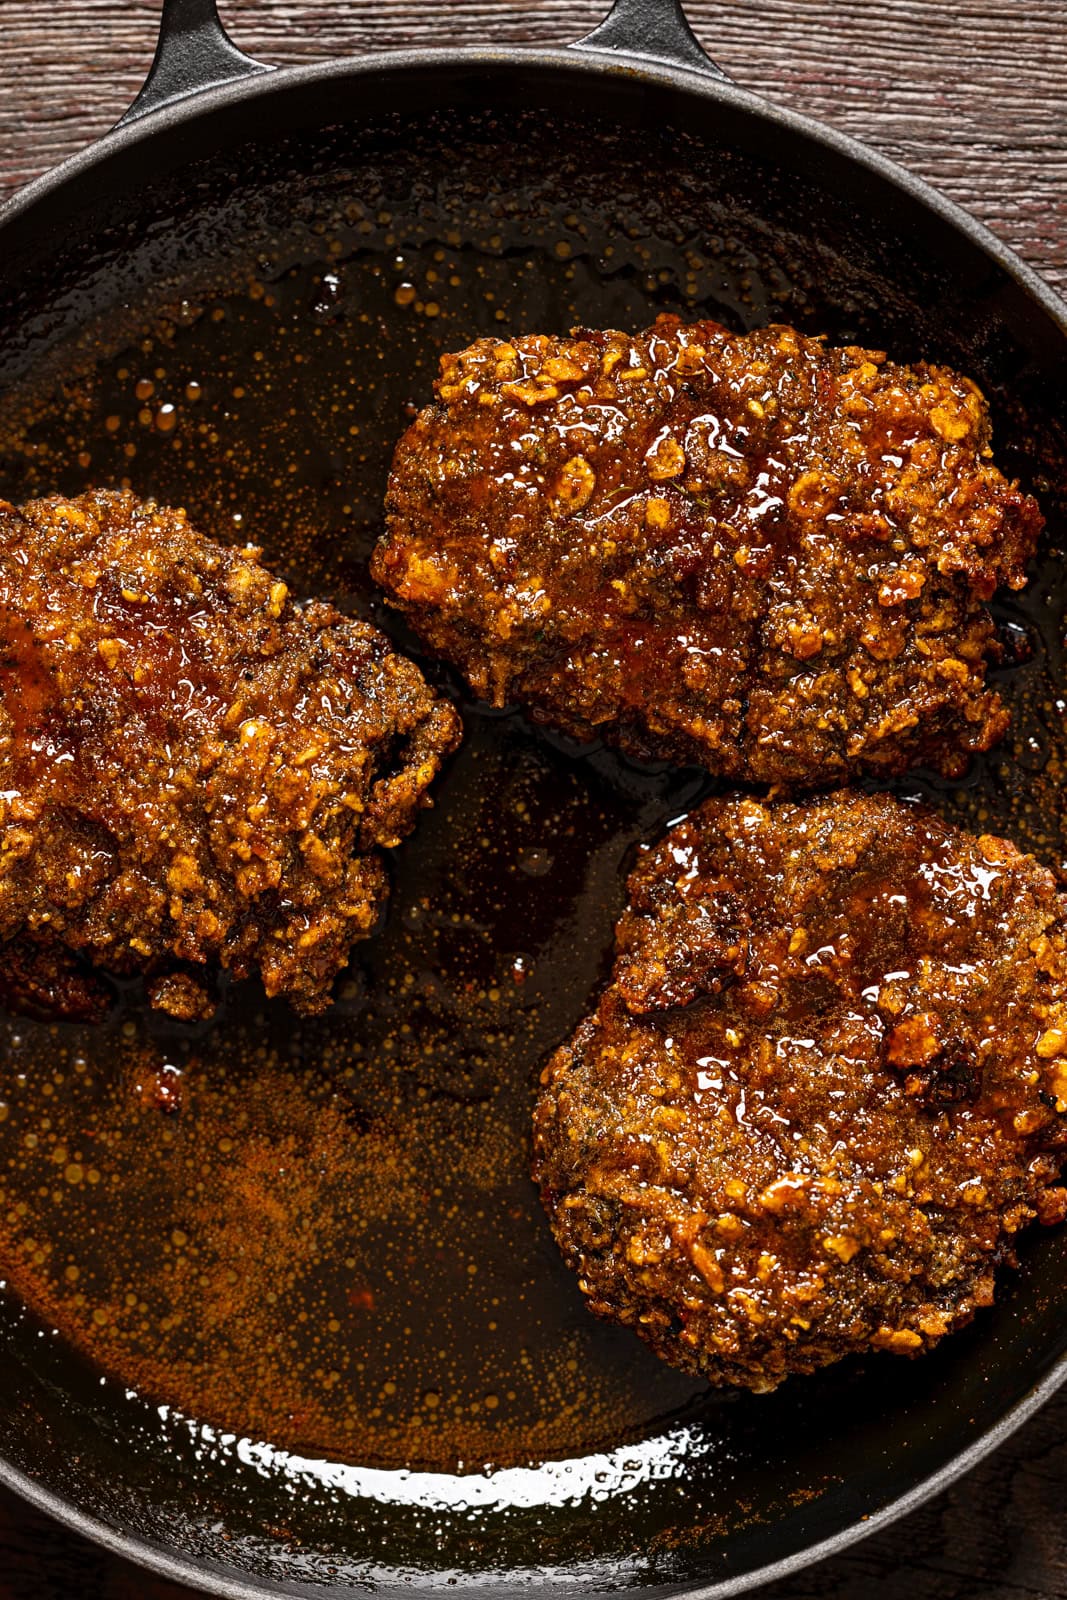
<point x="752" y="552"/>
<point x="824" y="1089"/>
<point x="192" y="768"/>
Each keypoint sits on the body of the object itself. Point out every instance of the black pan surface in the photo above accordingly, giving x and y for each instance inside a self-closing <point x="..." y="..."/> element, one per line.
<point x="280" y="1307"/>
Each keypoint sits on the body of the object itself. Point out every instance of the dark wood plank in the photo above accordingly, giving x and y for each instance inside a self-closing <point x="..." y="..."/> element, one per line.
<point x="970" y="93"/>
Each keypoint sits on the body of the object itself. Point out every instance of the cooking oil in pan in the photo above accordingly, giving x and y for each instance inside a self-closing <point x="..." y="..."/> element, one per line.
<point x="321" y="1232"/>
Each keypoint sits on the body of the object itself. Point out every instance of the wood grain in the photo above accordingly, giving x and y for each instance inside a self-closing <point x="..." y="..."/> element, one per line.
<point x="972" y="94"/>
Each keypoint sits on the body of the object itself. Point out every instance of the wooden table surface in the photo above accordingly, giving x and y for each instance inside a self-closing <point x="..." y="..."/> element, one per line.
<point x="972" y="94"/>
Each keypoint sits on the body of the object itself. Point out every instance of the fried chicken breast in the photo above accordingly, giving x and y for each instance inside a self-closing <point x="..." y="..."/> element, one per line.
<point x="752" y="552"/>
<point x="194" y="770"/>
<point x="824" y="1089"/>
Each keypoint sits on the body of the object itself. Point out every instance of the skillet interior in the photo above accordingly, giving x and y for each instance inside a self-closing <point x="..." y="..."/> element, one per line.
<point x="266" y="272"/>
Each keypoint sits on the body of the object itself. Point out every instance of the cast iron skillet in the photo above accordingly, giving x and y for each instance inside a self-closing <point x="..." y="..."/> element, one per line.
<point x="210" y="304"/>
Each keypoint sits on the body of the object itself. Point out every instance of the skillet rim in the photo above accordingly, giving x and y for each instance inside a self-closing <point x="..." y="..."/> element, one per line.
<point x="578" y="58"/>
<point x="183" y="1569"/>
<point x="582" y="59"/>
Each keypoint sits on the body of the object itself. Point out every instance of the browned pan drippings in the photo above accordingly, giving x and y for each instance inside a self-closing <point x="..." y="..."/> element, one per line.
<point x="322" y="1231"/>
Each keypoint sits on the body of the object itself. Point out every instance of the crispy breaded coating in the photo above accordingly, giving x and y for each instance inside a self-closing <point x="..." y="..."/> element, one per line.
<point x="750" y="552"/>
<point x="193" y="769"/>
<point x="824" y="1089"/>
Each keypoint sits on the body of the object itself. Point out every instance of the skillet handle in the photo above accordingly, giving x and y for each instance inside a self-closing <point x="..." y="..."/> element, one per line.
<point x="194" y="52"/>
<point x="651" y="30"/>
